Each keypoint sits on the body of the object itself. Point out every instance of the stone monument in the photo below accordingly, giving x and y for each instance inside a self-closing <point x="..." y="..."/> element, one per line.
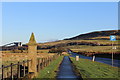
<point x="32" y="54"/>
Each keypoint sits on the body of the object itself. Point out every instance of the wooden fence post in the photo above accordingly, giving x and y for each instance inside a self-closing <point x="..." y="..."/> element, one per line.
<point x="2" y="72"/>
<point x="42" y="63"/>
<point x="51" y="58"/>
<point x="48" y="60"/>
<point x="7" y="75"/>
<point x="45" y="62"/>
<point x="23" y="68"/>
<point x="77" y="58"/>
<point x="38" y="65"/>
<point x="54" y="57"/>
<point x="11" y="71"/>
<point x="28" y="65"/>
<point x="18" y="70"/>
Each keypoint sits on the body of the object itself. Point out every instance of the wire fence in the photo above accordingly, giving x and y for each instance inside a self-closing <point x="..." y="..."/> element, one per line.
<point x="21" y="69"/>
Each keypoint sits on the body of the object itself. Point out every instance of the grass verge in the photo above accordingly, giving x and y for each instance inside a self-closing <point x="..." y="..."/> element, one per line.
<point x="50" y="71"/>
<point x="89" y="69"/>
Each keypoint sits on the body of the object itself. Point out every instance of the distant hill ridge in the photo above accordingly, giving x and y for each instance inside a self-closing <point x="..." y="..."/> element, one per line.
<point x="97" y="35"/>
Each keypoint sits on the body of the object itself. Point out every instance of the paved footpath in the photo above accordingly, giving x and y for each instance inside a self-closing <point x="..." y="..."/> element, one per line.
<point x="66" y="70"/>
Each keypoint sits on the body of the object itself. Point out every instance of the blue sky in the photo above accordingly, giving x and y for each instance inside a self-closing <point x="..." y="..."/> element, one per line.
<point x="56" y="20"/>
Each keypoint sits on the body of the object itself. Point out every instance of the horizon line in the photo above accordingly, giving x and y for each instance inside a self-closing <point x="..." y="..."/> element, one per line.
<point x="60" y="39"/>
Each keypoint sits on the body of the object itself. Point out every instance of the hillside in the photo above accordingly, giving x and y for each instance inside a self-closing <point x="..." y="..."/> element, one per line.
<point x="82" y="43"/>
<point x="98" y="35"/>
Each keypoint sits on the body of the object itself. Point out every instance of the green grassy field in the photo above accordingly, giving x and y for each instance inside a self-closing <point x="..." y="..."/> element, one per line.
<point x="90" y="69"/>
<point x="50" y="71"/>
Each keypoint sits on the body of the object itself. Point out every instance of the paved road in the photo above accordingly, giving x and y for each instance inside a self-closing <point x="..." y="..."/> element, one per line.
<point x="99" y="59"/>
<point x="66" y="70"/>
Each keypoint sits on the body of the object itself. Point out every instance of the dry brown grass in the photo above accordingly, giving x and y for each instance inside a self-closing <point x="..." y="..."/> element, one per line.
<point x="7" y="58"/>
<point x="105" y="37"/>
<point x="84" y="48"/>
<point x="69" y="41"/>
<point x="43" y="51"/>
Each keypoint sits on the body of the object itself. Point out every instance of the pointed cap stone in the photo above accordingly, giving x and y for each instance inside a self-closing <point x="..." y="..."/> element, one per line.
<point x="32" y="39"/>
